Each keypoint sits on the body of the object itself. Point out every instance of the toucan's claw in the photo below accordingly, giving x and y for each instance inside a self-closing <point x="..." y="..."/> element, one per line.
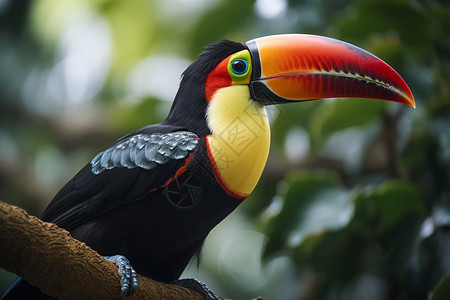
<point x="128" y="280"/>
<point x="198" y="286"/>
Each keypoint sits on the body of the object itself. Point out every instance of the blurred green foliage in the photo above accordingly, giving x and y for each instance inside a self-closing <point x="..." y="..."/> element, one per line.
<point x="354" y="202"/>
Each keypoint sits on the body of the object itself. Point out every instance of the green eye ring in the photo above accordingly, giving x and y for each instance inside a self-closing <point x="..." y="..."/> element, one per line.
<point x="239" y="66"/>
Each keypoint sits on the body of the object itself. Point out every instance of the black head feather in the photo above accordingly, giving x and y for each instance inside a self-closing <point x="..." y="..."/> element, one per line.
<point x="189" y="107"/>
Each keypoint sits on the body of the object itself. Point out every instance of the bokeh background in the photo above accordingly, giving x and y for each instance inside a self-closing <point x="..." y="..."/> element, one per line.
<point x="354" y="202"/>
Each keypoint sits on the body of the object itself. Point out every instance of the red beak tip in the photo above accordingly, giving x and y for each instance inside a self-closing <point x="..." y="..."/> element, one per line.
<point x="411" y="102"/>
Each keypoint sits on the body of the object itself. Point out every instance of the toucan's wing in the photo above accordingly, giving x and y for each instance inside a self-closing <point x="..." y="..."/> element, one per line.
<point x="126" y="171"/>
<point x="145" y="151"/>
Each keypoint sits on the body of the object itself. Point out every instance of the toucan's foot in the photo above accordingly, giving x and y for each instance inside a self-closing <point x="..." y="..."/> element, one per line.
<point x="128" y="280"/>
<point x="197" y="285"/>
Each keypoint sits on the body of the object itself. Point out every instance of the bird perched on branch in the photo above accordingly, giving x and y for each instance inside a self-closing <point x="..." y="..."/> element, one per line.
<point x="154" y="194"/>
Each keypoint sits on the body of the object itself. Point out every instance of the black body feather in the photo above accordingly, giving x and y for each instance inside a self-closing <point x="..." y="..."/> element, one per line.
<point x="158" y="218"/>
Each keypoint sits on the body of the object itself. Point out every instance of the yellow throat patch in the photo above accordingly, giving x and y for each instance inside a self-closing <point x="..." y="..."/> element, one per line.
<point x="240" y="140"/>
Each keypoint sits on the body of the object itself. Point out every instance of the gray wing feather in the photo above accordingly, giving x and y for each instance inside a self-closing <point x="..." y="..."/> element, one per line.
<point x="145" y="151"/>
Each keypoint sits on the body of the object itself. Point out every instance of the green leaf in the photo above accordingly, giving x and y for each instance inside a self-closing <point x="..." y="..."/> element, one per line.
<point x="442" y="289"/>
<point x="384" y="207"/>
<point x="312" y="202"/>
<point x="289" y="115"/>
<point x="424" y="158"/>
<point x="129" y="116"/>
<point x="132" y="38"/>
<point x="338" y="255"/>
<point x="407" y="20"/>
<point x="223" y="19"/>
<point x="339" y="114"/>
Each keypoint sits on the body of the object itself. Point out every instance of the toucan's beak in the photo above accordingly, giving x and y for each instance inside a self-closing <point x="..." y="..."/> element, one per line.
<point x="296" y="67"/>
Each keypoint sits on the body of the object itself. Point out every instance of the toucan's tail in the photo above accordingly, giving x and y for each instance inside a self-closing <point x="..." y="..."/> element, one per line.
<point x="22" y="290"/>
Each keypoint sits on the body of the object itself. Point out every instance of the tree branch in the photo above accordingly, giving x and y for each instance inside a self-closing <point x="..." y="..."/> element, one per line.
<point x="61" y="266"/>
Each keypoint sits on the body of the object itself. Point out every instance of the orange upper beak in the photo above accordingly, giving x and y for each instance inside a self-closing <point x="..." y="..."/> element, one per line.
<point x="296" y="67"/>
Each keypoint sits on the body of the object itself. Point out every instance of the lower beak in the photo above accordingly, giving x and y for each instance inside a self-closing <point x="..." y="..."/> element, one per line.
<point x="297" y="67"/>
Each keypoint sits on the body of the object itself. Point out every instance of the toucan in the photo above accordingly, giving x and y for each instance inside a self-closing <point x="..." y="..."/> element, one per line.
<point x="153" y="196"/>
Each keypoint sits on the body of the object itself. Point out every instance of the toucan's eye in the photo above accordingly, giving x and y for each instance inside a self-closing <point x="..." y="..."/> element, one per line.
<point x="239" y="66"/>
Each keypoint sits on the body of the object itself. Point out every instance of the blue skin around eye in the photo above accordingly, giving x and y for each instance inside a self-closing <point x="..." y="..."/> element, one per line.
<point x="246" y="66"/>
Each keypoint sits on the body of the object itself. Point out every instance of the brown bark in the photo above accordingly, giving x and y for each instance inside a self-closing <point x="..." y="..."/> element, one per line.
<point x="61" y="266"/>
